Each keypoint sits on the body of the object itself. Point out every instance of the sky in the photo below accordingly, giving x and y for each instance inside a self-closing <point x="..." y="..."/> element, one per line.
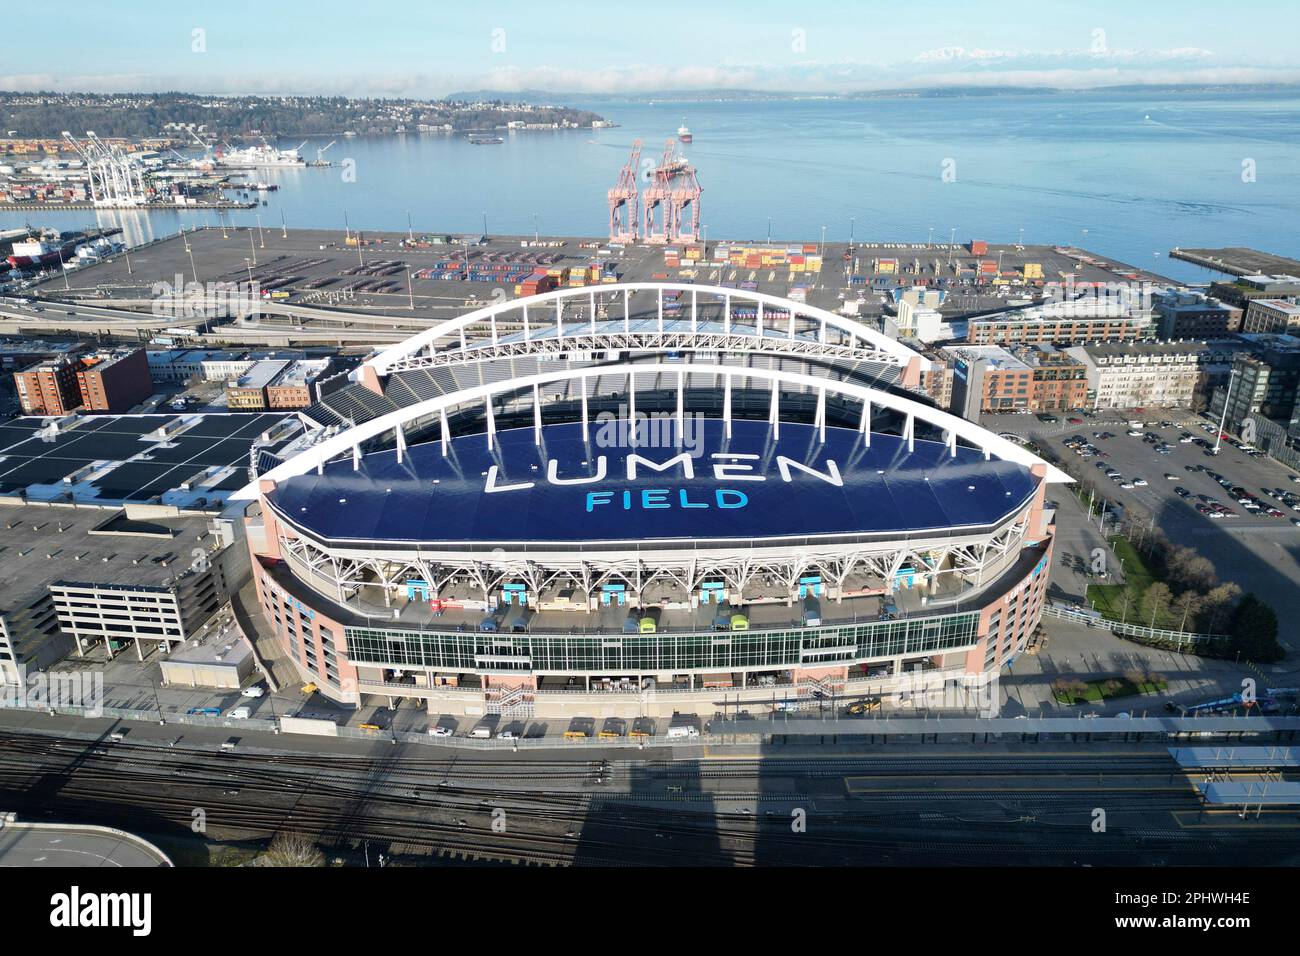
<point x="424" y="48"/>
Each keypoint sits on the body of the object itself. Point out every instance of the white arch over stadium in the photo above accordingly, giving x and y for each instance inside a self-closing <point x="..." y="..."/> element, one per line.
<point x="408" y="353"/>
<point x="349" y="442"/>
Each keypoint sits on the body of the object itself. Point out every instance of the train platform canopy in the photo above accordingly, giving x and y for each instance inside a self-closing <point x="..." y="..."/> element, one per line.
<point x="1256" y="793"/>
<point x="1235" y="758"/>
<point x="563" y="490"/>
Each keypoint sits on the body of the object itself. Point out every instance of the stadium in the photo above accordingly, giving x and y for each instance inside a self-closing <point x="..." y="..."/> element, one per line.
<point x="640" y="499"/>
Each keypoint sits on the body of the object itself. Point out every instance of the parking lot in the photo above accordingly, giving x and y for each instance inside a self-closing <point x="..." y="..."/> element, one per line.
<point x="1257" y="551"/>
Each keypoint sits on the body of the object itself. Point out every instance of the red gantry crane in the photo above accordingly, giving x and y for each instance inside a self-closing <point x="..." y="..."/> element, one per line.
<point x="624" y="214"/>
<point x="673" y="188"/>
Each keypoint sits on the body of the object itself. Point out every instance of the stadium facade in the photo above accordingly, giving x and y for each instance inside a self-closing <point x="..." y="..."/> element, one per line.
<point x="637" y="499"/>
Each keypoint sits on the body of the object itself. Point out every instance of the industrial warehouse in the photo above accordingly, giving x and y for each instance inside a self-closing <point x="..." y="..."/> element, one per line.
<point x="587" y="503"/>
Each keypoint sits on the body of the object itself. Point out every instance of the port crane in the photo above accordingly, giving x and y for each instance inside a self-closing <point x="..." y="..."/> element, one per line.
<point x="114" y="180"/>
<point x="320" y="154"/>
<point x="673" y="194"/>
<point x="624" y="214"/>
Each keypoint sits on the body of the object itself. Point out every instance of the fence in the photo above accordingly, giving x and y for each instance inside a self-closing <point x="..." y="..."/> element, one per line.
<point x="1131" y="630"/>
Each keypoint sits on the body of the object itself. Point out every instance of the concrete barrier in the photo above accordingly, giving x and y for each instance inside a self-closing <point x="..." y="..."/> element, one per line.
<point x="307" y="725"/>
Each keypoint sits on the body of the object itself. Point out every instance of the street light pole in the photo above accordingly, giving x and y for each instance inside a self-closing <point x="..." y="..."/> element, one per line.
<point x="1223" y="419"/>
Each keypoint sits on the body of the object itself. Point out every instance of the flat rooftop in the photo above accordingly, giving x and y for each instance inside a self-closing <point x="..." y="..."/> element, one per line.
<point x="113" y="459"/>
<point x="997" y="356"/>
<point x="40" y="544"/>
<point x="262" y="374"/>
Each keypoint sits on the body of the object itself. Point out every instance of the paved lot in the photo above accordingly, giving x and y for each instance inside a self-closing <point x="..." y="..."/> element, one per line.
<point x="1259" y="553"/>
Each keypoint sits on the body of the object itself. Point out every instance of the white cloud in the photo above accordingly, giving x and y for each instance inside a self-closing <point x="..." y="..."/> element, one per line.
<point x="946" y="66"/>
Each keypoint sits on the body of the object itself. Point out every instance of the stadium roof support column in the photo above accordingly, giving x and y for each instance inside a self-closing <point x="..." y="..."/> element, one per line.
<point x="631" y="408"/>
<point x="627" y="311"/>
<point x="492" y="319"/>
<point x="726" y="403"/>
<point x="591" y="302"/>
<point x="774" y="412"/>
<point x="401" y="441"/>
<point x="537" y="415"/>
<point x="726" y="315"/>
<point x="681" y="406"/>
<point x="446" y="431"/>
<point x="356" y="457"/>
<point x="820" y="419"/>
<point x="661" y="311"/>
<point x="909" y="432"/>
<point x="559" y="320"/>
<point x="758" y="325"/>
<point x="952" y="443"/>
<point x="864" y="425"/>
<point x="491" y="421"/>
<point x="585" y="437"/>
<point x="527" y="329"/>
<point x="695" y="311"/>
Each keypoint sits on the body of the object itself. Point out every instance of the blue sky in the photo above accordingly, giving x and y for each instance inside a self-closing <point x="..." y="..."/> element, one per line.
<point x="434" y="47"/>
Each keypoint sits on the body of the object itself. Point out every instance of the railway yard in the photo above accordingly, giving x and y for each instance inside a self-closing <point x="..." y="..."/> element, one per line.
<point x="1004" y="803"/>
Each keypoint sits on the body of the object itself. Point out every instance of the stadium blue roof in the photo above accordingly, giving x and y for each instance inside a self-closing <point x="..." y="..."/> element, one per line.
<point x="880" y="490"/>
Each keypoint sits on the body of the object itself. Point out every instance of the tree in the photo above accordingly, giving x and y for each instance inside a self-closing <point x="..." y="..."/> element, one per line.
<point x="1252" y="630"/>
<point x="1184" y="606"/>
<point x="1155" y="600"/>
<point x="291" y="849"/>
<point x="1216" y="605"/>
<point x="1188" y="569"/>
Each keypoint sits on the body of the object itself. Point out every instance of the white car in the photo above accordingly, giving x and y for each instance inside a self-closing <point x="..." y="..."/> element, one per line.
<point x="1169" y="477"/>
<point x="253" y="690"/>
<point x="440" y="732"/>
<point x="507" y="735"/>
<point x="1140" y="482"/>
<point x="1127" y="484"/>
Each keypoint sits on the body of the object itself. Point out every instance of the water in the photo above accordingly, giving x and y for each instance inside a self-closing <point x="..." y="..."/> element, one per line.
<point x="1140" y="172"/>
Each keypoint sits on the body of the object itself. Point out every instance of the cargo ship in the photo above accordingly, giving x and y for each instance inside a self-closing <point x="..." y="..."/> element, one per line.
<point x="50" y="248"/>
<point x="684" y="133"/>
<point x="258" y="157"/>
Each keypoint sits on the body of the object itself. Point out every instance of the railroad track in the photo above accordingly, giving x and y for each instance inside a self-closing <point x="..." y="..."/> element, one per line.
<point x="443" y="806"/>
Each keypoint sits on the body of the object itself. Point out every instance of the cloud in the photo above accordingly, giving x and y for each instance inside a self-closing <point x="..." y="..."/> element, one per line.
<point x="945" y="66"/>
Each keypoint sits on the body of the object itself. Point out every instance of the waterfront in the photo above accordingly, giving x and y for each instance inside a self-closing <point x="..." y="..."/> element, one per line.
<point x="1140" y="172"/>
